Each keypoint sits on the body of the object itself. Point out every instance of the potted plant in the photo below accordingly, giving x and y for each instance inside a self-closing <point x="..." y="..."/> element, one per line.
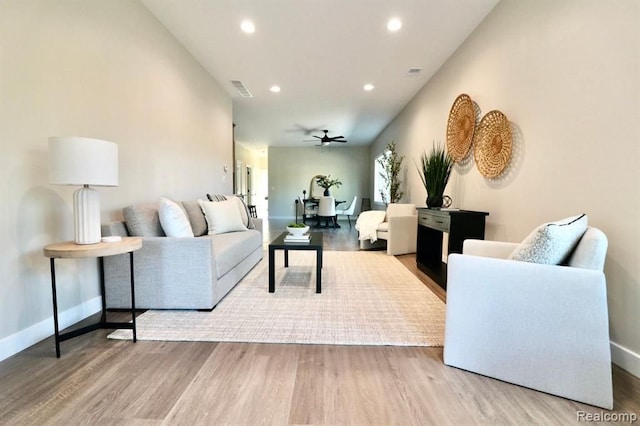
<point x="435" y="171"/>
<point x="391" y="164"/>
<point x="326" y="182"/>
<point x="295" y="228"/>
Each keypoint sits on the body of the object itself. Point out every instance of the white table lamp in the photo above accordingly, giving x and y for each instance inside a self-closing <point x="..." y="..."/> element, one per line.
<point x="84" y="161"/>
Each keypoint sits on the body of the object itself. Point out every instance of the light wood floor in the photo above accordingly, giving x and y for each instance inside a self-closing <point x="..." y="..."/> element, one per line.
<point x="101" y="381"/>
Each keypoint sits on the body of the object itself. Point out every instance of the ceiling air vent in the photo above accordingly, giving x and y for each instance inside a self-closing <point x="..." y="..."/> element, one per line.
<point x="414" y="71"/>
<point x="241" y="89"/>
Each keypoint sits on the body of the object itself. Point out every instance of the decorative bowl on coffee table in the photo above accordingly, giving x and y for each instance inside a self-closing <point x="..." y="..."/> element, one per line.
<point x="297" y="231"/>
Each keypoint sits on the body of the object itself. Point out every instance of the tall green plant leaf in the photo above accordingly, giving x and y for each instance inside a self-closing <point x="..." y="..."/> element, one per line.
<point x="435" y="170"/>
<point x="391" y="164"/>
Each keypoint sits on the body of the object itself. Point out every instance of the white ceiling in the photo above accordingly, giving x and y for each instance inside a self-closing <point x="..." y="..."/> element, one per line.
<point x="321" y="53"/>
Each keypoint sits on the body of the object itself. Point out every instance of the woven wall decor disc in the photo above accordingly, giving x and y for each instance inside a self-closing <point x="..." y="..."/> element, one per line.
<point x="492" y="144"/>
<point x="460" y="127"/>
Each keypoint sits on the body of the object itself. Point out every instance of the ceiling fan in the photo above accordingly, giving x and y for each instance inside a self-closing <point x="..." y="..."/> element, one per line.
<point x="326" y="139"/>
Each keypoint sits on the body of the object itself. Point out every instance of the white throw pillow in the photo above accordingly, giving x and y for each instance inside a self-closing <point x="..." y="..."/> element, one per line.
<point x="551" y="242"/>
<point x="222" y="216"/>
<point x="174" y="219"/>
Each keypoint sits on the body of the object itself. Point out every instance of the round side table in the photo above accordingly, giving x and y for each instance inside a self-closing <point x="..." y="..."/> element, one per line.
<point x="71" y="250"/>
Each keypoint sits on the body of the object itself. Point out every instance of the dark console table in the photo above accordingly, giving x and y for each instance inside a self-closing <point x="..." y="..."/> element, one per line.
<point x="432" y="223"/>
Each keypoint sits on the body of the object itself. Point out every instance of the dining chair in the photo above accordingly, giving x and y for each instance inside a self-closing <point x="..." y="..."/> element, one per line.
<point x="327" y="211"/>
<point x="349" y="210"/>
<point x="308" y="210"/>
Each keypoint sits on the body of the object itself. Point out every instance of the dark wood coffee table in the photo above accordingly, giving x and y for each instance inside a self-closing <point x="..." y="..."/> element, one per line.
<point x="315" y="243"/>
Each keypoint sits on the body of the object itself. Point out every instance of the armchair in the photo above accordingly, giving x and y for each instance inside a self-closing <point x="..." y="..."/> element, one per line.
<point x="544" y="327"/>
<point x="399" y="229"/>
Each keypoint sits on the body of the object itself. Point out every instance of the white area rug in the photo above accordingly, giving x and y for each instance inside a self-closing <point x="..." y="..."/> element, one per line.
<point x="368" y="298"/>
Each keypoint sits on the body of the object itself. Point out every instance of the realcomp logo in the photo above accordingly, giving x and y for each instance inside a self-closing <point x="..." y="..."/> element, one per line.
<point x="603" y="416"/>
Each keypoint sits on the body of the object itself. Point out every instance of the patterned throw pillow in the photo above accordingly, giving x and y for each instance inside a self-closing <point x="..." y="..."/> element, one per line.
<point x="551" y="243"/>
<point x="244" y="211"/>
<point x="216" y="197"/>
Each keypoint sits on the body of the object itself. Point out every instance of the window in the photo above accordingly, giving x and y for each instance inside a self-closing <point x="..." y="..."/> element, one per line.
<point x="378" y="180"/>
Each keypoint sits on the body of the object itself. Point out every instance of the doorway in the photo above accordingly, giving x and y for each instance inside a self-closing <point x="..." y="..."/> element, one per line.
<point x="249" y="181"/>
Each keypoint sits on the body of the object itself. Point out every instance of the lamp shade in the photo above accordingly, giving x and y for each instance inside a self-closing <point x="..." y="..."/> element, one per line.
<point x="85" y="162"/>
<point x="82" y="161"/>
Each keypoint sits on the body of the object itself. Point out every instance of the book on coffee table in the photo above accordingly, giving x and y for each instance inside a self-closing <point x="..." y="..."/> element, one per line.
<point x="297" y="238"/>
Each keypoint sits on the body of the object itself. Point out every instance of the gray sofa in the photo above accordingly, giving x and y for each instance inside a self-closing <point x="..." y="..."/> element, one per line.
<point x="178" y="272"/>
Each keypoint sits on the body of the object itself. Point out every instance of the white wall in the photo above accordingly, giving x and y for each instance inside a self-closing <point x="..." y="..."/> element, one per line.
<point x="567" y="75"/>
<point x="104" y="69"/>
<point x="291" y="171"/>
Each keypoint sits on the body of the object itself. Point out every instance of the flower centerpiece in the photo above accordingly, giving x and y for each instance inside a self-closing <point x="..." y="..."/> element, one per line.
<point x="434" y="172"/>
<point x="326" y="182"/>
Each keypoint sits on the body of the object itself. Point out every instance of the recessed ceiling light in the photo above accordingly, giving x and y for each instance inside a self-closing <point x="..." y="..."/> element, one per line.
<point x="369" y="87"/>
<point x="275" y="89"/>
<point x="248" y="27"/>
<point x="394" y="24"/>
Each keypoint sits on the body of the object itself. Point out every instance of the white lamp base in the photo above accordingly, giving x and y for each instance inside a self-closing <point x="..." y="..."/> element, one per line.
<point x="86" y="216"/>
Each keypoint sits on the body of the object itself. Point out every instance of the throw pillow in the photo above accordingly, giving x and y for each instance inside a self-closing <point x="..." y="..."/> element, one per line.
<point x="551" y="242"/>
<point x="196" y="217"/>
<point x="143" y="221"/>
<point x="222" y="216"/>
<point x="216" y="197"/>
<point x="244" y="213"/>
<point x="173" y="219"/>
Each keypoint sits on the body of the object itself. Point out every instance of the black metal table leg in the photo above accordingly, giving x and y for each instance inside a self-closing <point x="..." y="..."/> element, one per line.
<point x="103" y="317"/>
<point x="319" y="271"/>
<point x="272" y="272"/>
<point x="55" y="307"/>
<point x="133" y="297"/>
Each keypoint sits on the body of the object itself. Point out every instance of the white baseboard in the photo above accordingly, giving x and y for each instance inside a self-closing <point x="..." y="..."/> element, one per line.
<point x="625" y="358"/>
<point x="21" y="340"/>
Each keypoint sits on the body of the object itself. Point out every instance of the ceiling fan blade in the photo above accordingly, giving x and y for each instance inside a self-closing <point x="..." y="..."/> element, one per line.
<point x="340" y="140"/>
<point x="336" y="137"/>
<point x="316" y="136"/>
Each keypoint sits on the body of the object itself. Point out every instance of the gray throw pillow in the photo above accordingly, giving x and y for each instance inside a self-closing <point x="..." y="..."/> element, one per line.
<point x="143" y="220"/>
<point x="196" y="217"/>
<point x="551" y="243"/>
